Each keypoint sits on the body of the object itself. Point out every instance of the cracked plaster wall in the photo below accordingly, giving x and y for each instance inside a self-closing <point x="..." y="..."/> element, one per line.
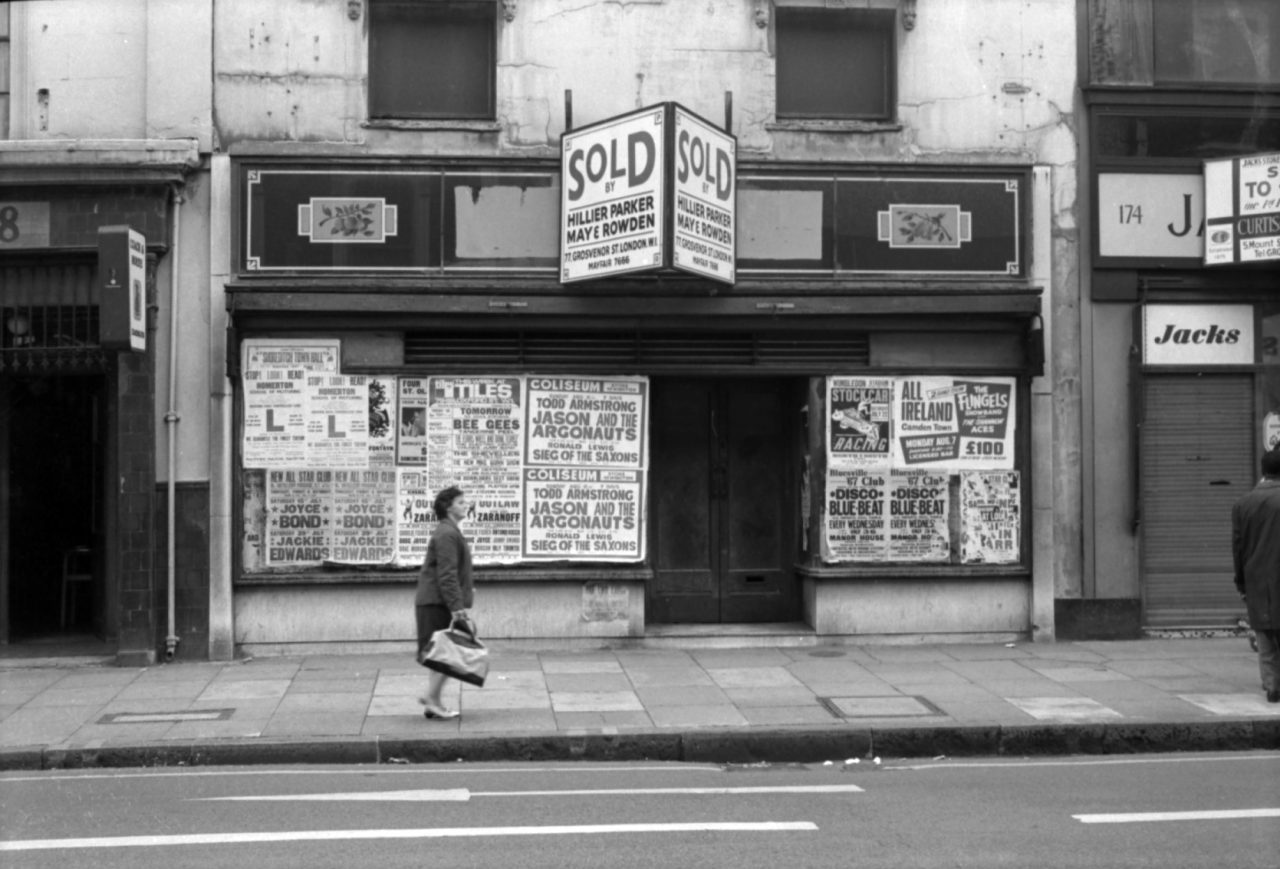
<point x="127" y="69"/>
<point x="294" y="71"/>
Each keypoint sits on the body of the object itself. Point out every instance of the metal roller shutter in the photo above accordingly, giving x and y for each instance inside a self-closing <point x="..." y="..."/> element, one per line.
<point x="1197" y="459"/>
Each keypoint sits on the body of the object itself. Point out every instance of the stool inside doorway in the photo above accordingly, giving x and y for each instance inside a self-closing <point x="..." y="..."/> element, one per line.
<point x="77" y="569"/>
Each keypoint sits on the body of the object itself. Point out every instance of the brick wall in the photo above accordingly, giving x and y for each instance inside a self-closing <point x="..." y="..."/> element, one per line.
<point x="135" y="497"/>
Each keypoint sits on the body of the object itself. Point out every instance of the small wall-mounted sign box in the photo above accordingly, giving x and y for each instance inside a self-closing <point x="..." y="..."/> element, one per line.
<point x="122" y="273"/>
<point x="652" y="189"/>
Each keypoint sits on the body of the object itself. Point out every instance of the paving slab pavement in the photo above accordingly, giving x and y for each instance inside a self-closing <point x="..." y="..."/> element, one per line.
<point x="780" y="704"/>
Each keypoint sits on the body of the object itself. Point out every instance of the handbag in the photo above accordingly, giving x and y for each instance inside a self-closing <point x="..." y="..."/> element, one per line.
<point x="456" y="652"/>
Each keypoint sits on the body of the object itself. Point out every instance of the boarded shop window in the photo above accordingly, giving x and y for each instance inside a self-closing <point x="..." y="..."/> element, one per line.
<point x="501" y="221"/>
<point x="922" y="470"/>
<point x="785" y="223"/>
<point x="431" y="60"/>
<point x="835" y="64"/>
<point x="339" y="470"/>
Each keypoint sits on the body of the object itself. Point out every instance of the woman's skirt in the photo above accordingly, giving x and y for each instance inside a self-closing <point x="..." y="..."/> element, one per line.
<point x="431" y="617"/>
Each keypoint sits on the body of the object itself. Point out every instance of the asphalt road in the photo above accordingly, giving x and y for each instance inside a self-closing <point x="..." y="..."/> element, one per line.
<point x="1177" y="810"/>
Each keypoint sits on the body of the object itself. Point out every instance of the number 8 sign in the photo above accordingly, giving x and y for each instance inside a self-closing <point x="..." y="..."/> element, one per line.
<point x="24" y="225"/>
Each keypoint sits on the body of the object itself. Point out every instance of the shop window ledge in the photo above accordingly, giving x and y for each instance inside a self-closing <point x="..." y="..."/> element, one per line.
<point x="913" y="571"/>
<point x="483" y="575"/>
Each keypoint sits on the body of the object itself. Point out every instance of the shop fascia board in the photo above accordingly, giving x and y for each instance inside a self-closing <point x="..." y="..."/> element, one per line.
<point x="97" y="161"/>
<point x="915" y="301"/>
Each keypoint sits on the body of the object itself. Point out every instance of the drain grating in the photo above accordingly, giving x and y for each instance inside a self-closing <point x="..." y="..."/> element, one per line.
<point x="897" y="706"/>
<point x="166" y="717"/>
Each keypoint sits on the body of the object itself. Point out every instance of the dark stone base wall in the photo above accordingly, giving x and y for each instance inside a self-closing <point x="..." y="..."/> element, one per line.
<point x="1100" y="619"/>
<point x="133" y="464"/>
<point x="191" y="575"/>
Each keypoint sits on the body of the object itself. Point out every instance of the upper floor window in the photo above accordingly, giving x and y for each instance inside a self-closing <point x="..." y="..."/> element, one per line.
<point x="1182" y="43"/>
<point x="432" y="59"/>
<point x="836" y="64"/>
<point x="1217" y="41"/>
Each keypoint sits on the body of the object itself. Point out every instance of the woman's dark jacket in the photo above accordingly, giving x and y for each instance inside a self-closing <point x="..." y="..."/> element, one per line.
<point x="446" y="571"/>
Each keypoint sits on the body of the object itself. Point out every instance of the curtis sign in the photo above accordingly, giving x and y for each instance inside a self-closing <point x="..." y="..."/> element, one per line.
<point x="653" y="189"/>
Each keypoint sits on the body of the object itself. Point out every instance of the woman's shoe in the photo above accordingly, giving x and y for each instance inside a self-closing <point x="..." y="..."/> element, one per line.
<point x="439" y="712"/>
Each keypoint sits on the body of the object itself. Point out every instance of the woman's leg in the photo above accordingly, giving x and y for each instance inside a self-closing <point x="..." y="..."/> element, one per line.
<point x="435" y="684"/>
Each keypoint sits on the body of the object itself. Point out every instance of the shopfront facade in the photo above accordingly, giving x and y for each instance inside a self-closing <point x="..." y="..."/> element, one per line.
<point x="1183" y="386"/>
<point x="79" y="504"/>
<point x="837" y="445"/>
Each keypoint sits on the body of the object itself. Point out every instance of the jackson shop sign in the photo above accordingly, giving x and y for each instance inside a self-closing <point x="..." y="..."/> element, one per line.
<point x="648" y="190"/>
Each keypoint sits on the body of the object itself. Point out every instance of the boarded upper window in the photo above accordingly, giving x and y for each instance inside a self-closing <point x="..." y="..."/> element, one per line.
<point x="837" y="64"/>
<point x="431" y="60"/>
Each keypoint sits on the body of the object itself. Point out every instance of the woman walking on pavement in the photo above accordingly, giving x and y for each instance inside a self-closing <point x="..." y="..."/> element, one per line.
<point x="445" y="590"/>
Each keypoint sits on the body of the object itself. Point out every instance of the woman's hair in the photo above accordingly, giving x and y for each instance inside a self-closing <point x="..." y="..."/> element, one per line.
<point x="445" y="500"/>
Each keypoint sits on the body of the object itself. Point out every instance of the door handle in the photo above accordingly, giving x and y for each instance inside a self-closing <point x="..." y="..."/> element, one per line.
<point x="719" y="483"/>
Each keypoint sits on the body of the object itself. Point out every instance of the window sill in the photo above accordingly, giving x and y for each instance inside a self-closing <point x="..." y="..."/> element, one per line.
<point x="876" y="572"/>
<point x="566" y="572"/>
<point x="440" y="125"/>
<point x="821" y="126"/>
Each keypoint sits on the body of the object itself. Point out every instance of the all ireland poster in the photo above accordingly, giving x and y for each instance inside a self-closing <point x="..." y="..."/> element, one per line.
<point x="954" y="423"/>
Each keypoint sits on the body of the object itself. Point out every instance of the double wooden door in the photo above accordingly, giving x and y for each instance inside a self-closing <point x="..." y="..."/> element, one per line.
<point x="722" y="501"/>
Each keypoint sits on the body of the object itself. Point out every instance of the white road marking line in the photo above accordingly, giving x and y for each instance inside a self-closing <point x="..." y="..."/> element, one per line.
<point x="456" y="795"/>
<point x="640" y="792"/>
<point x="449" y="769"/>
<point x="463" y="795"/>
<point x="1116" y="761"/>
<point x="442" y="833"/>
<point x="1141" y="817"/>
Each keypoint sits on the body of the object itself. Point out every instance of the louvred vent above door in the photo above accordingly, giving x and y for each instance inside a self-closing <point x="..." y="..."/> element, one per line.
<point x="637" y="350"/>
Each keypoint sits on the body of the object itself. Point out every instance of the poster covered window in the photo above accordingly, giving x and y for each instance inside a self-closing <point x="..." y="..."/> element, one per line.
<point x="339" y="470"/>
<point x="921" y="470"/>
